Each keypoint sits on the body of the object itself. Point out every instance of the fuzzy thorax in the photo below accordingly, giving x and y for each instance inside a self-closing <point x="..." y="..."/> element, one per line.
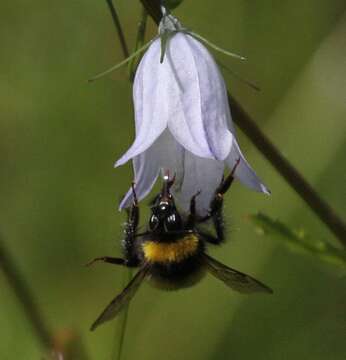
<point x="158" y="252"/>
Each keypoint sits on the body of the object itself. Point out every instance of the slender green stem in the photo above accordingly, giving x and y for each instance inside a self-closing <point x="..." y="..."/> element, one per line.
<point x="133" y="60"/>
<point x="154" y="9"/>
<point x="74" y="348"/>
<point x="296" y="180"/>
<point x="248" y="125"/>
<point x="299" y="240"/>
<point x="142" y="25"/>
<point x="25" y="297"/>
<point x="124" y="319"/>
<point x="117" y="24"/>
<point x="238" y="77"/>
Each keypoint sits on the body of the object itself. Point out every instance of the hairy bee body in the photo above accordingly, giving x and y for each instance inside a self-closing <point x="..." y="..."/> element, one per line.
<point x="172" y="252"/>
<point x="174" y="262"/>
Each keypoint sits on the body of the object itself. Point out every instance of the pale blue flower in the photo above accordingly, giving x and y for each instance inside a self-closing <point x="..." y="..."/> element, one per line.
<point x="183" y="121"/>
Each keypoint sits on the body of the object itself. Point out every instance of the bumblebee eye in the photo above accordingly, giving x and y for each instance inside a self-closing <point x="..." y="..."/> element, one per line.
<point x="153" y="222"/>
<point x="173" y="222"/>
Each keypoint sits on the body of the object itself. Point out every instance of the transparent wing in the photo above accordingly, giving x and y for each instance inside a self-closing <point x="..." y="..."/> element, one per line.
<point x="118" y="303"/>
<point x="234" y="279"/>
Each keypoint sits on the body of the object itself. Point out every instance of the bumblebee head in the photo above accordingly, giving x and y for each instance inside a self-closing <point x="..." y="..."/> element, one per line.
<point x="165" y="216"/>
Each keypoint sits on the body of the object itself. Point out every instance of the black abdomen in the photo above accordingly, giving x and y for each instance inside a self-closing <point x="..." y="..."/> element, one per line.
<point x="173" y="276"/>
<point x="175" y="264"/>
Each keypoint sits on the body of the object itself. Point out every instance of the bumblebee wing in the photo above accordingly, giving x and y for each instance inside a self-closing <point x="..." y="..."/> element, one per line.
<point x="236" y="280"/>
<point x="118" y="303"/>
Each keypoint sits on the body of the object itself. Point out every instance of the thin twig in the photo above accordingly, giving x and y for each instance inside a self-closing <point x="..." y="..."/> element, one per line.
<point x="117" y="24"/>
<point x="25" y="297"/>
<point x="321" y="208"/>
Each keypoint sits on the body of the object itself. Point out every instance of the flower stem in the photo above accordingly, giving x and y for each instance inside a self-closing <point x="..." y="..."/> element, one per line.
<point x="133" y="61"/>
<point x="154" y="9"/>
<point x="25" y="297"/>
<point x="320" y="207"/>
<point x="125" y="316"/>
<point x="298" y="240"/>
<point x="142" y="25"/>
<point x="117" y="24"/>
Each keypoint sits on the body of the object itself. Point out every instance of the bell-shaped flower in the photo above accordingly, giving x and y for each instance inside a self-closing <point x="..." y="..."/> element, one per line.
<point x="183" y="121"/>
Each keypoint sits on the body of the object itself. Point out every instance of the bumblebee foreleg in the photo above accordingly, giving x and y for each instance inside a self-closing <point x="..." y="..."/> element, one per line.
<point x="209" y="238"/>
<point x="193" y="217"/>
<point x="216" y="207"/>
<point x="130" y="231"/>
<point x="130" y="257"/>
<point x="107" y="259"/>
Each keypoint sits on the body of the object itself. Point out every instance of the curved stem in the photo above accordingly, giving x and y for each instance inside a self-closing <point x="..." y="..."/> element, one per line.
<point x="134" y="59"/>
<point x="141" y="29"/>
<point x="117" y="24"/>
<point x="25" y="297"/>
<point x="296" y="180"/>
<point x="124" y="320"/>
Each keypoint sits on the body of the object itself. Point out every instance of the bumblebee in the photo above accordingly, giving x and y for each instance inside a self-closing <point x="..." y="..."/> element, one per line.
<point x="171" y="254"/>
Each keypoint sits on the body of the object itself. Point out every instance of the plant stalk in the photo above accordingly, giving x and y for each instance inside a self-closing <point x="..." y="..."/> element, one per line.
<point x="118" y="27"/>
<point x="25" y="297"/>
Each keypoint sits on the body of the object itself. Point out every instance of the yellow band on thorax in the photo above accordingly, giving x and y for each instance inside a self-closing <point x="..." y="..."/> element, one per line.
<point x="170" y="252"/>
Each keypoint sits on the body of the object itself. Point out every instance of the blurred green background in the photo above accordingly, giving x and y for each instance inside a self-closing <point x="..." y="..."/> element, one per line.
<point x="60" y="136"/>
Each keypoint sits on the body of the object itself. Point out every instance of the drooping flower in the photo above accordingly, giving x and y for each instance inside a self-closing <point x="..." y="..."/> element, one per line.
<point x="183" y="121"/>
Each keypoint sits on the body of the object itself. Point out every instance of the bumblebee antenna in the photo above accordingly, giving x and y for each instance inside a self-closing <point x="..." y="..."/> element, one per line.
<point x="167" y="183"/>
<point x="165" y="187"/>
<point x="135" y="200"/>
<point x="164" y="10"/>
<point x="171" y="182"/>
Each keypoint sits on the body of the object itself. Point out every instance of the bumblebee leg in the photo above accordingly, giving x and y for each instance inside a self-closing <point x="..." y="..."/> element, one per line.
<point x="216" y="205"/>
<point x="130" y="231"/>
<point x="192" y="218"/>
<point x="209" y="238"/>
<point x="226" y="183"/>
<point x="217" y="202"/>
<point x="130" y="257"/>
<point x="107" y="259"/>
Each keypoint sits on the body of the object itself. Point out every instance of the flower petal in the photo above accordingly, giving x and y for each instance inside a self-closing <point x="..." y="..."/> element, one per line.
<point x="178" y="74"/>
<point x="214" y="100"/>
<point x="200" y="174"/>
<point x="244" y="173"/>
<point x="202" y="99"/>
<point x="149" y="115"/>
<point x="164" y="153"/>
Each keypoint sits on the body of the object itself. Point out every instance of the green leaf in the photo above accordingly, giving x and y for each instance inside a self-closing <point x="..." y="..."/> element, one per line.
<point x="298" y="240"/>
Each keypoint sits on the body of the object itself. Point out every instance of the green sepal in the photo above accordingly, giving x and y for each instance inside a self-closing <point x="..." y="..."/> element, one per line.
<point x="213" y="46"/>
<point x="164" y="42"/>
<point x="124" y="62"/>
